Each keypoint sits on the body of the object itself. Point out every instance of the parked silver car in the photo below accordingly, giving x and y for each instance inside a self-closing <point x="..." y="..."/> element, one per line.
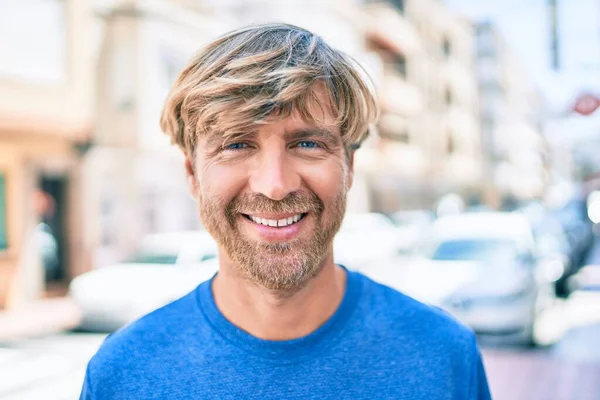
<point x="483" y="269"/>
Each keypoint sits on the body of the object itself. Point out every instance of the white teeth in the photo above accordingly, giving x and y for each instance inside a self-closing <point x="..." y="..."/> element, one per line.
<point x="277" y="223"/>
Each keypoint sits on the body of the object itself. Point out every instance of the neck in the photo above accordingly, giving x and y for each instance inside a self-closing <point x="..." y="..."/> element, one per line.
<point x="271" y="316"/>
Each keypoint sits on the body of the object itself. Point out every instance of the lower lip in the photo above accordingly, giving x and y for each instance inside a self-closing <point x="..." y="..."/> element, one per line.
<point x="277" y="234"/>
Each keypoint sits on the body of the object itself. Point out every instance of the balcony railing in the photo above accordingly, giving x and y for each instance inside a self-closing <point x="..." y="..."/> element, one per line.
<point x="398" y="64"/>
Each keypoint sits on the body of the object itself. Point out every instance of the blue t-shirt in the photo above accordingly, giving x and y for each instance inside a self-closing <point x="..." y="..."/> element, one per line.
<point x="379" y="344"/>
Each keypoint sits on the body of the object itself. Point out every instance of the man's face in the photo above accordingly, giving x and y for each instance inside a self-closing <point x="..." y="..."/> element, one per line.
<point x="275" y="197"/>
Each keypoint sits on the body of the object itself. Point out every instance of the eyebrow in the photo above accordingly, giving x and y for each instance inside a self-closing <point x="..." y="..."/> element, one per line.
<point x="217" y="139"/>
<point x="307" y="133"/>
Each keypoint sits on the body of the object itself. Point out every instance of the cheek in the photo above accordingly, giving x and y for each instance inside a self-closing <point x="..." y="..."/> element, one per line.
<point x="221" y="182"/>
<point x="327" y="181"/>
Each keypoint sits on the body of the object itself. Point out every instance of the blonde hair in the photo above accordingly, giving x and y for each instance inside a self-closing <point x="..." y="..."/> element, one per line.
<point x="250" y="74"/>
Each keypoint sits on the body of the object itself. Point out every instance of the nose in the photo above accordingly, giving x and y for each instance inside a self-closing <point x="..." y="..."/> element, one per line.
<point x="275" y="177"/>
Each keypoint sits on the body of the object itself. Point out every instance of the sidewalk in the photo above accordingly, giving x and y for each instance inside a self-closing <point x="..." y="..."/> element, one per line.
<point x="536" y="375"/>
<point x="41" y="317"/>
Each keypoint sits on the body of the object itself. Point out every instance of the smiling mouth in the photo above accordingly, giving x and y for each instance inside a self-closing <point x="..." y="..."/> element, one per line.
<point x="277" y="223"/>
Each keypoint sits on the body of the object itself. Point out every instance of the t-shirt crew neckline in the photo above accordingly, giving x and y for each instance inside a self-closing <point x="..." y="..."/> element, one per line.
<point x="286" y="350"/>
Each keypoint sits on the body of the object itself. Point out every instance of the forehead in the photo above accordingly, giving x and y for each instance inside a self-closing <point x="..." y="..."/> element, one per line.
<point x="320" y="121"/>
<point x="292" y="127"/>
<point x="316" y="110"/>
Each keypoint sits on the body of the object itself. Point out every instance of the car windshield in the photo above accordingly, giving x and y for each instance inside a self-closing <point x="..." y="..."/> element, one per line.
<point x="410" y="219"/>
<point x="149" y="258"/>
<point x="157" y="258"/>
<point x="365" y="223"/>
<point x="474" y="250"/>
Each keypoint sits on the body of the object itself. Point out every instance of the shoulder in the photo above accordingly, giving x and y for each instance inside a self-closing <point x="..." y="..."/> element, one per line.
<point x="147" y="339"/>
<point x="427" y="338"/>
<point x="400" y="315"/>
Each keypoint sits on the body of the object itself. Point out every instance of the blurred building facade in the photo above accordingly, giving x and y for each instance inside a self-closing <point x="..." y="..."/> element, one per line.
<point x="418" y="55"/>
<point x="82" y="156"/>
<point x="397" y="159"/>
<point x="451" y="91"/>
<point x="511" y="109"/>
<point x="46" y="108"/>
<point x="429" y="140"/>
<point x="139" y="184"/>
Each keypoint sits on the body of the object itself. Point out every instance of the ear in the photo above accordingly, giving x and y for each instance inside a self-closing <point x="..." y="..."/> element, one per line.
<point x="190" y="173"/>
<point x="350" y="171"/>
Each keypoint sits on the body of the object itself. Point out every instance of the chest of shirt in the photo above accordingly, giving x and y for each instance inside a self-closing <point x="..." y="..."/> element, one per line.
<point x="335" y="376"/>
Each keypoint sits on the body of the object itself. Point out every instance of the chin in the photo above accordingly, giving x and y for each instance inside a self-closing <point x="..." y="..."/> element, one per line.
<point x="282" y="272"/>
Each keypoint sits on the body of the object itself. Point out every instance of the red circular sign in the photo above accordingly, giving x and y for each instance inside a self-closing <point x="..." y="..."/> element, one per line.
<point x="586" y="104"/>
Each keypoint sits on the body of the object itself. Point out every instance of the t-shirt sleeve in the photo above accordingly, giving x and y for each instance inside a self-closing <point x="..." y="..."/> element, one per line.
<point x="479" y="385"/>
<point x="86" y="390"/>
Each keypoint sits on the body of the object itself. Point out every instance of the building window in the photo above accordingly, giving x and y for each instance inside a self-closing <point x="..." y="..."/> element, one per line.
<point x="173" y="65"/>
<point x="3" y="214"/>
<point x="446" y="48"/>
<point x="448" y="97"/>
<point x="488" y="125"/>
<point x="397" y="136"/>
<point x="109" y="222"/>
<point x="450" y="145"/>
<point x="37" y="50"/>
<point x="399" y="4"/>
<point x="399" y="63"/>
<point x="151" y="204"/>
<point x="122" y="73"/>
<point x="404" y="137"/>
<point x="489" y="71"/>
<point x="485" y="46"/>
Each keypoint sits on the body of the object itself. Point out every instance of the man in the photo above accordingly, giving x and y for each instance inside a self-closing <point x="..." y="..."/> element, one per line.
<point x="269" y="117"/>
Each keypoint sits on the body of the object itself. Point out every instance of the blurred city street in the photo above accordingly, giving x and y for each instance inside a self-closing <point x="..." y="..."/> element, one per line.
<point x="567" y="367"/>
<point x="53" y="367"/>
<point x="478" y="193"/>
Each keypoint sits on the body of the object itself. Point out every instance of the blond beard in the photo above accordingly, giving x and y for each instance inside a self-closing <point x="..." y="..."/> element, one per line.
<point x="284" y="268"/>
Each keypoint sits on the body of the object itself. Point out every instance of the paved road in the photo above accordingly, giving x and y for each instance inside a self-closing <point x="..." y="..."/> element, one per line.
<point x="539" y="375"/>
<point x="567" y="370"/>
<point x="49" y="368"/>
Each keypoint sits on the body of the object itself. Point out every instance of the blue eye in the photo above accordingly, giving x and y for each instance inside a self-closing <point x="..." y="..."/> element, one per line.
<point x="235" y="146"/>
<point x="306" y="144"/>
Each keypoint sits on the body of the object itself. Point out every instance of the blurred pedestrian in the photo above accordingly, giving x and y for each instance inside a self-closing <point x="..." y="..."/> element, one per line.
<point x="44" y="236"/>
<point x="269" y="117"/>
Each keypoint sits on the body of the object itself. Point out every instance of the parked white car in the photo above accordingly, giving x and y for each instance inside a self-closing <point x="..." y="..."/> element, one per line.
<point x="483" y="269"/>
<point x="366" y="241"/>
<point x="411" y="227"/>
<point x="167" y="267"/>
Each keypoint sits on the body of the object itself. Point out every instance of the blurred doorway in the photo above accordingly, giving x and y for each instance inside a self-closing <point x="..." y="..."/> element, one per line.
<point x="51" y="232"/>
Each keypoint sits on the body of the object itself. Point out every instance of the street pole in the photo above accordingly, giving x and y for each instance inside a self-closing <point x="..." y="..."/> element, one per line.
<point x="554" y="34"/>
